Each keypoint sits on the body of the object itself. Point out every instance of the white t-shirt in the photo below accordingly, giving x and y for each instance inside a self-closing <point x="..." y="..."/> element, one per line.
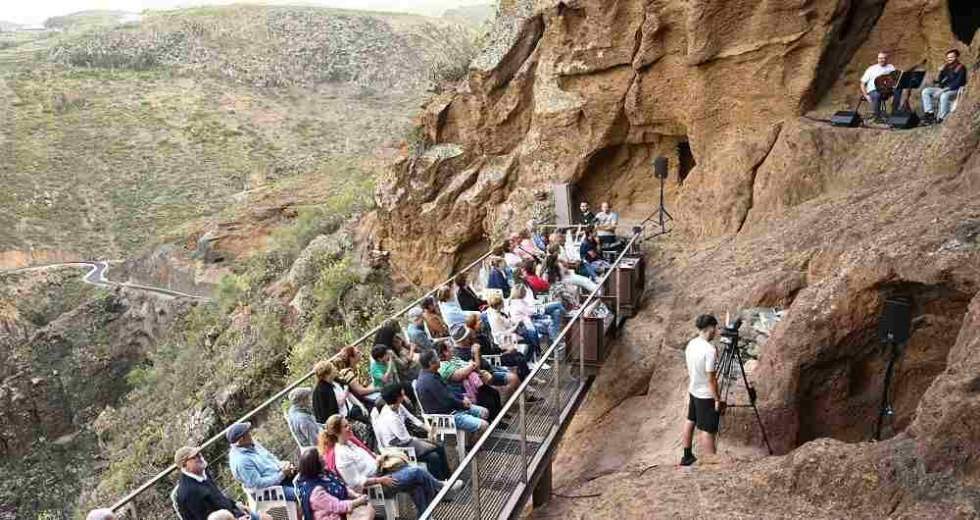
<point x="355" y="465"/>
<point x="700" y="357"/>
<point x="868" y="79"/>
<point x="606" y="219"/>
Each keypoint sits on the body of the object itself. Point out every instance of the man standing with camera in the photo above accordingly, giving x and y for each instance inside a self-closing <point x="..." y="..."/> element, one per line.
<point x="704" y="405"/>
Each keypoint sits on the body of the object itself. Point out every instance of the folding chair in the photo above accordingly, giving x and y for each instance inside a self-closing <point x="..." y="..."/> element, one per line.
<point x="272" y="501"/>
<point x="173" y="502"/>
<point x="443" y="426"/>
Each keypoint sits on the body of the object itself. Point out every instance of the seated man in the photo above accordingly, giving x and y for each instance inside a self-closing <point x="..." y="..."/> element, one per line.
<point x="436" y="398"/>
<point x="254" y="466"/>
<point x="585" y="215"/>
<point x="591" y="255"/>
<point x="382" y="367"/>
<point x="198" y="496"/>
<point x="498" y="278"/>
<point x="466" y="296"/>
<point x="391" y="431"/>
<point x="302" y="424"/>
<point x="870" y="91"/>
<point x="468" y="349"/>
<point x="951" y="78"/>
<point x="449" y="307"/>
<point x="433" y="319"/>
<point x="416" y="330"/>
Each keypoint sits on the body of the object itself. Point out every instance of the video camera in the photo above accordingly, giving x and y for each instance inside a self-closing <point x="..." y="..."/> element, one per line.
<point x="729" y="334"/>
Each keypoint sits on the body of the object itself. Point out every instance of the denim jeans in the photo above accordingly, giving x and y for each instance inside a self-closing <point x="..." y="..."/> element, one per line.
<point x="877" y="103"/>
<point x="946" y="98"/>
<point x="419" y="483"/>
<point x="433" y="455"/>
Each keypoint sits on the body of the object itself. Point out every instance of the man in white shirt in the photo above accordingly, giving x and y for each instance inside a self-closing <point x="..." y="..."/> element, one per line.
<point x="389" y="427"/>
<point x="703" y="400"/>
<point x="868" y="89"/>
<point x="606" y="221"/>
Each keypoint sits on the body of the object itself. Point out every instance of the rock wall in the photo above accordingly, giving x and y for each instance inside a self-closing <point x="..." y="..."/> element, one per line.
<point x="779" y="209"/>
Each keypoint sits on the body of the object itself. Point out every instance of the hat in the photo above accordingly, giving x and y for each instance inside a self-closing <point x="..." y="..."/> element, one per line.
<point x="299" y="394"/>
<point x="415" y="312"/>
<point x="185" y="453"/>
<point x="459" y="332"/>
<point x="237" y="431"/>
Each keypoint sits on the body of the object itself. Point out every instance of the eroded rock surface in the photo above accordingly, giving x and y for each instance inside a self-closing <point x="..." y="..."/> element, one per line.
<point x="773" y="209"/>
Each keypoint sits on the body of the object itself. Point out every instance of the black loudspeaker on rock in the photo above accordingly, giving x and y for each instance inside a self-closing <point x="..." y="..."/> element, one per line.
<point x="846" y="118"/>
<point x="904" y="120"/>
<point x="896" y="321"/>
<point x="660" y="167"/>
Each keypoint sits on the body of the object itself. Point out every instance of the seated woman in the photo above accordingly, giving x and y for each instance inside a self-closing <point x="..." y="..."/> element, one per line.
<point x="558" y="270"/>
<point x="465" y="295"/>
<point x="509" y="355"/>
<point x="358" y="465"/>
<point x="331" y="397"/>
<point x="347" y="362"/>
<point x="523" y="307"/>
<point x="323" y="495"/>
<point x="502" y="325"/>
<point x="499" y="278"/>
<point x="403" y="354"/>
<point x="433" y="319"/>
<point x="591" y="253"/>
<point x="449" y="307"/>
<point x="539" y="286"/>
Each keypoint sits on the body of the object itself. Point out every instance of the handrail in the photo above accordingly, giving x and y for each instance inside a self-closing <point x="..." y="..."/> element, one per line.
<point x="475" y="449"/>
<point x="173" y="467"/>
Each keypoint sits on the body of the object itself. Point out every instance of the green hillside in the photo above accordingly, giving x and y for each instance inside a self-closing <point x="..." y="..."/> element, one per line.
<point x="115" y="135"/>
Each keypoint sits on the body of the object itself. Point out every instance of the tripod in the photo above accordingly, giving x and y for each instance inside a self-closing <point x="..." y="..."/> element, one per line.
<point x="885" y="409"/>
<point x="730" y="358"/>
<point x="662" y="214"/>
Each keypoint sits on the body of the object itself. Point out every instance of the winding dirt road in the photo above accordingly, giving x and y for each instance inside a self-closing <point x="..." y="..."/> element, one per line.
<point x="97" y="276"/>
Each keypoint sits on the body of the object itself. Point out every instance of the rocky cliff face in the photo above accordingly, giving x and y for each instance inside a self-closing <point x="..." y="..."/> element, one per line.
<point x="773" y="209"/>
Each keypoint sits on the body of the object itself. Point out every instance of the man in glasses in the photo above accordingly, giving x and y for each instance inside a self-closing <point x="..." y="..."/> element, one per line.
<point x="197" y="496"/>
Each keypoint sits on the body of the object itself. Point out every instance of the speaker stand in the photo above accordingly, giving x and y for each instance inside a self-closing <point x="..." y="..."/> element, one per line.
<point x="663" y="216"/>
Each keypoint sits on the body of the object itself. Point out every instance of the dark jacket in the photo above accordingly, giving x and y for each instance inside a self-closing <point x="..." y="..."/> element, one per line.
<point x="498" y="280"/>
<point x="434" y="396"/>
<point x="468" y="300"/>
<point x="952" y="77"/>
<point x="324" y="402"/>
<point x="196" y="500"/>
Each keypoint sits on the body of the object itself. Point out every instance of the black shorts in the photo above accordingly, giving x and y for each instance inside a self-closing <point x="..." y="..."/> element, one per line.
<point x="702" y="412"/>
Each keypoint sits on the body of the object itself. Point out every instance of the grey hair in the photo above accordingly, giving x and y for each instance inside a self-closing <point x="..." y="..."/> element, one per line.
<point x="101" y="514"/>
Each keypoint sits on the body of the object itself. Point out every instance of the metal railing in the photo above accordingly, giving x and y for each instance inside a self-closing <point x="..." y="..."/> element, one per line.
<point x="501" y="462"/>
<point x="123" y="502"/>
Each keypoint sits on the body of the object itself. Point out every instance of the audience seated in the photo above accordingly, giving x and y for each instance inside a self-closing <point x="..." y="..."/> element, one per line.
<point x="498" y="278"/>
<point x="299" y="417"/>
<point x="466" y="296"/>
<point x="436" y="397"/>
<point x="468" y="349"/>
<point x="501" y="326"/>
<point x="347" y="362"/>
<point x="382" y="367"/>
<point x="539" y="286"/>
<point x="403" y="353"/>
<point x="449" y="307"/>
<point x="416" y="330"/>
<point x="198" y="496"/>
<point x="331" y="396"/>
<point x="254" y="466"/>
<point x="392" y="431"/>
<point x="544" y="318"/>
<point x="323" y="494"/>
<point x="538" y="239"/>
<point x="433" y="320"/>
<point x="345" y="454"/>
<point x="558" y="270"/>
<point x="591" y="254"/>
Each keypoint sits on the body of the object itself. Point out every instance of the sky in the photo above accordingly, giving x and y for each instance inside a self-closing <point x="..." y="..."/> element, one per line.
<point x="34" y="12"/>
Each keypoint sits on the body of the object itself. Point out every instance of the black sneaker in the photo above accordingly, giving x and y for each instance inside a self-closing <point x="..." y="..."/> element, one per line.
<point x="687" y="460"/>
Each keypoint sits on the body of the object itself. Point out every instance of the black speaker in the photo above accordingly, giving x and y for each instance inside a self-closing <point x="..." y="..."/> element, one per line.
<point x="904" y="120"/>
<point x="896" y="320"/>
<point x="846" y="118"/>
<point x="660" y="167"/>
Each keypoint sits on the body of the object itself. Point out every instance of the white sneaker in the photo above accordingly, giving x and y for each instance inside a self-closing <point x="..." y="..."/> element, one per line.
<point x="454" y="490"/>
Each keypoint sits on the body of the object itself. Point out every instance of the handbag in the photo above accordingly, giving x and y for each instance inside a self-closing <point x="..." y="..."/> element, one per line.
<point x="391" y="462"/>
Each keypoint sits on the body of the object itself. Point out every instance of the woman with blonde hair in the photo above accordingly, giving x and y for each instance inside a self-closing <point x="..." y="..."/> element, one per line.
<point x="331" y="397"/>
<point x="345" y="454"/>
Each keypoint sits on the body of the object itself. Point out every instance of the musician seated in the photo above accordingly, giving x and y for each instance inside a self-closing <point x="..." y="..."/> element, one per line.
<point x="951" y="78"/>
<point x="877" y="85"/>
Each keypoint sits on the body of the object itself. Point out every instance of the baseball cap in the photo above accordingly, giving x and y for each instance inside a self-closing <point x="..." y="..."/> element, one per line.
<point x="185" y="453"/>
<point x="459" y="332"/>
<point x="237" y="431"/>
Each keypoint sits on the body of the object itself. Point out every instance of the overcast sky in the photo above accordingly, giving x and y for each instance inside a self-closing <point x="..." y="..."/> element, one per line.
<point x="33" y="12"/>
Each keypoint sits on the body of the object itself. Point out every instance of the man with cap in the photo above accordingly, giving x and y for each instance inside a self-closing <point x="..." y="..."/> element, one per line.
<point x="416" y="329"/>
<point x="254" y="466"/>
<point x="197" y="495"/>
<point x="299" y="417"/>
<point x="467" y="349"/>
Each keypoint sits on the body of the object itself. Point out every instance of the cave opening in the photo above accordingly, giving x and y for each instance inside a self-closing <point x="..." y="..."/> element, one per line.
<point x="964" y="19"/>
<point x="685" y="160"/>
<point x="840" y="396"/>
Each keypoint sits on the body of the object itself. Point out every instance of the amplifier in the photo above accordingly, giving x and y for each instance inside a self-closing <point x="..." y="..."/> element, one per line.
<point x="903" y="120"/>
<point x="846" y="118"/>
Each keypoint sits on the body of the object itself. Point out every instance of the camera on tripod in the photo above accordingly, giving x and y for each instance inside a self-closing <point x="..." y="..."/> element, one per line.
<point x="729" y="334"/>
<point x="730" y="369"/>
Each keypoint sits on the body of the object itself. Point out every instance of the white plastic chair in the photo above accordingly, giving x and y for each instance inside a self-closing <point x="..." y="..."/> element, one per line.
<point x="956" y="101"/>
<point x="376" y="496"/>
<point x="443" y="426"/>
<point x="429" y="334"/>
<point x="408" y="452"/>
<point x="272" y="501"/>
<point x="492" y="359"/>
<point x="173" y="502"/>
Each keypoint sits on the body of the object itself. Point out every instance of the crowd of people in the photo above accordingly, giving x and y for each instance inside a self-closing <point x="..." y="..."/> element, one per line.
<point x="461" y="352"/>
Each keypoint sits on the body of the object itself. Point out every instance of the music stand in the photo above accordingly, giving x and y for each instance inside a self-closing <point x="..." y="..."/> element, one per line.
<point x="910" y="80"/>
